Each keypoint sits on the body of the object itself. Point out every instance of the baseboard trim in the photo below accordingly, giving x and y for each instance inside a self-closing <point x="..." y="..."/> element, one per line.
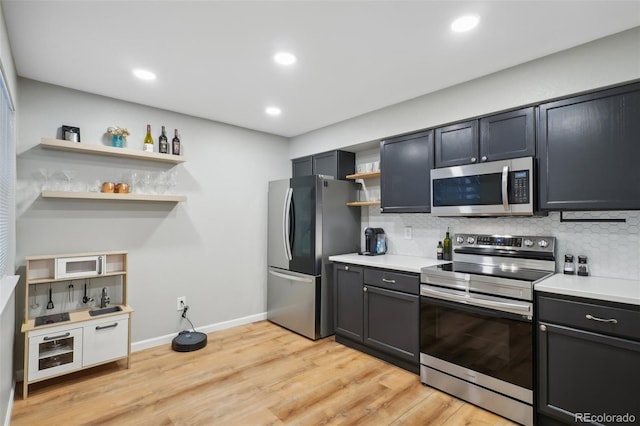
<point x="162" y="340"/>
<point x="7" y="419"/>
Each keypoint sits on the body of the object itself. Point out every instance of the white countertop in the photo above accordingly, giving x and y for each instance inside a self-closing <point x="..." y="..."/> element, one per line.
<point x="388" y="261"/>
<point x="600" y="288"/>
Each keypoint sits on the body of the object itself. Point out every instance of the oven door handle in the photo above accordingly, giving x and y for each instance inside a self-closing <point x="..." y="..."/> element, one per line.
<point x="521" y="309"/>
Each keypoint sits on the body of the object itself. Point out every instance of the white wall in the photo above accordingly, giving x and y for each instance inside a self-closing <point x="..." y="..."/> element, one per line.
<point x="211" y="248"/>
<point x="604" y="62"/>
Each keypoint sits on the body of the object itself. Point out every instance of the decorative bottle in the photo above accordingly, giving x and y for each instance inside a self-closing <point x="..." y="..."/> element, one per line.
<point x="446" y="252"/>
<point x="148" y="140"/>
<point x="163" y="142"/>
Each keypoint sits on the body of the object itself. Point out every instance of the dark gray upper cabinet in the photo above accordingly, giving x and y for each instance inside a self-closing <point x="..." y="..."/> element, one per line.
<point x="497" y="137"/>
<point x="508" y="135"/>
<point x="588" y="148"/>
<point x="457" y="144"/>
<point x="405" y="179"/>
<point x="302" y="166"/>
<point x="338" y="164"/>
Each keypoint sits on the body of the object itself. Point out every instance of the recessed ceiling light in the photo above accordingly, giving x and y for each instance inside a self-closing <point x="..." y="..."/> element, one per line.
<point x="284" y="58"/>
<point x="144" y="74"/>
<point x="272" y="110"/>
<point x="465" y="23"/>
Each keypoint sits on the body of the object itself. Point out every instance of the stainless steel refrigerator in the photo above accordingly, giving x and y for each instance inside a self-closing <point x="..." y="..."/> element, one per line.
<point x="308" y="222"/>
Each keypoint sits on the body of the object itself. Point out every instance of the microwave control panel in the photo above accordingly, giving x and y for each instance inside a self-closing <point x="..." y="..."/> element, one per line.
<point x="519" y="187"/>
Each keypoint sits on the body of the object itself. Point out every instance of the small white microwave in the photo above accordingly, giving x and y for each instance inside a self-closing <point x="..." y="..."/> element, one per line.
<point x="77" y="267"/>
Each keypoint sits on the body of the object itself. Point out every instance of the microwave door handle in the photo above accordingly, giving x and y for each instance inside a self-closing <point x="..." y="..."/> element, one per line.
<point x="505" y="193"/>
<point x="286" y="223"/>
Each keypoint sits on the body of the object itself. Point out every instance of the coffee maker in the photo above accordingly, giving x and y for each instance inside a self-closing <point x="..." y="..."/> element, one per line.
<point x="375" y="241"/>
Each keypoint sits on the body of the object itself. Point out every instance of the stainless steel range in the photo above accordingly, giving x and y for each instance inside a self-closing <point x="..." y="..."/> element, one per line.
<point x="476" y="338"/>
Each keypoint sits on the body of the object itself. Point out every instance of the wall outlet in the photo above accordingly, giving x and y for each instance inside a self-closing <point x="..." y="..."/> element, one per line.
<point x="181" y="302"/>
<point x="408" y="232"/>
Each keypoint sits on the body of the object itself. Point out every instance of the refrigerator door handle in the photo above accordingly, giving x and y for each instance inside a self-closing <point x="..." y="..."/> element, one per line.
<point x="292" y="277"/>
<point x="287" y="223"/>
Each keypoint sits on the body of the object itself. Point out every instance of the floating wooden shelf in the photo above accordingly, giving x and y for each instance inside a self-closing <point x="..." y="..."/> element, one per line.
<point x="367" y="175"/>
<point x="362" y="203"/>
<point x="114" y="196"/>
<point x="109" y="151"/>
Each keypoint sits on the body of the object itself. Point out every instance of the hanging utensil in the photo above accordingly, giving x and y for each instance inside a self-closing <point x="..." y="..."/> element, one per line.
<point x="86" y="299"/>
<point x="70" y="292"/>
<point x="35" y="305"/>
<point x="50" y="302"/>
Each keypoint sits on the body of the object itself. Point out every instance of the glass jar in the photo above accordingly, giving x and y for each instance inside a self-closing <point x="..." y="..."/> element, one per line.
<point x="569" y="267"/>
<point x="583" y="268"/>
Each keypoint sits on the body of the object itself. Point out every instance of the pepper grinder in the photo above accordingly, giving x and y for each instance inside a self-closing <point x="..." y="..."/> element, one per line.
<point x="569" y="268"/>
<point x="583" y="268"/>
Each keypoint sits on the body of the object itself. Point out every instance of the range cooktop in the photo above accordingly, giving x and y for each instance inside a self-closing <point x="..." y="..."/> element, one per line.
<point x="52" y="319"/>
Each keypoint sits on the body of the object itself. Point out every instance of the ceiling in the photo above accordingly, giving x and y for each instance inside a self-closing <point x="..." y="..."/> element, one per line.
<point x="213" y="59"/>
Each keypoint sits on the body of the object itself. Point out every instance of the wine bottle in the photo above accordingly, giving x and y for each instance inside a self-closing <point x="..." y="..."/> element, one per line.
<point x="163" y="143"/>
<point x="439" y="251"/>
<point x="148" y="140"/>
<point x="446" y="251"/>
<point x="175" y="143"/>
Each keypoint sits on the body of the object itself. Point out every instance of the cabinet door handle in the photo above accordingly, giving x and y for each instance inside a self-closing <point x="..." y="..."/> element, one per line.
<point x="473" y="159"/>
<point x="592" y="318"/>
<point x="103" y="327"/>
<point x="346" y="268"/>
<point x="384" y="280"/>
<point x="62" y="336"/>
<point x="484" y="158"/>
<point x="543" y="327"/>
<point x="364" y="289"/>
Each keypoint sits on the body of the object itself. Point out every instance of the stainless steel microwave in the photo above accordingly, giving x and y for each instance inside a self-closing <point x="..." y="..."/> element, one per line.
<point x="497" y="188"/>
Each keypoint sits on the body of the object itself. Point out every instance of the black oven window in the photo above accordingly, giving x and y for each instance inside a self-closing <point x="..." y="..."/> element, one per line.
<point x="497" y="347"/>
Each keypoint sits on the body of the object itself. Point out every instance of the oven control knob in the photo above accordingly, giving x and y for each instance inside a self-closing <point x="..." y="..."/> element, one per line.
<point x="528" y="243"/>
<point x="543" y="243"/>
<point x="471" y="240"/>
<point x="459" y="239"/>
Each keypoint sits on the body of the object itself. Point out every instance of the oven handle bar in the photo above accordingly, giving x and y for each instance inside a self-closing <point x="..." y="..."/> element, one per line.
<point x="521" y="309"/>
<point x="505" y="192"/>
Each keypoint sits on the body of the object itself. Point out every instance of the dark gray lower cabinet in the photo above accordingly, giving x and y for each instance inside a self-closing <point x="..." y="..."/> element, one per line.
<point x="349" y="301"/>
<point x="588" y="365"/>
<point x="378" y="312"/>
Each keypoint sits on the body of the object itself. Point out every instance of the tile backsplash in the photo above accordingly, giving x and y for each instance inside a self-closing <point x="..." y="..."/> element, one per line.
<point x="613" y="248"/>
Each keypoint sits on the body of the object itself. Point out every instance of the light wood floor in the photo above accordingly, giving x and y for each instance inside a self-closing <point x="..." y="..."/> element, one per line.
<point x="258" y="374"/>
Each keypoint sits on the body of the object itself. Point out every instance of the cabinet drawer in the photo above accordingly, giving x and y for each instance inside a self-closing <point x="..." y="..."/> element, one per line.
<point x="618" y="321"/>
<point x="392" y="280"/>
<point x="105" y="341"/>
<point x="54" y="353"/>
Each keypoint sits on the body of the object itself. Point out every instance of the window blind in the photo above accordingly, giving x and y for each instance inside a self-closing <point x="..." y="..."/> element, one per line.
<point x="7" y="180"/>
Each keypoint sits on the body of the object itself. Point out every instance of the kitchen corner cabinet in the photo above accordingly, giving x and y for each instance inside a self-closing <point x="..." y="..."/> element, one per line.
<point x="378" y="312"/>
<point x="496" y="137"/>
<point x="588" y="359"/>
<point x="405" y="181"/>
<point x="108" y="151"/>
<point x="74" y="333"/>
<point x="337" y="164"/>
<point x="588" y="151"/>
